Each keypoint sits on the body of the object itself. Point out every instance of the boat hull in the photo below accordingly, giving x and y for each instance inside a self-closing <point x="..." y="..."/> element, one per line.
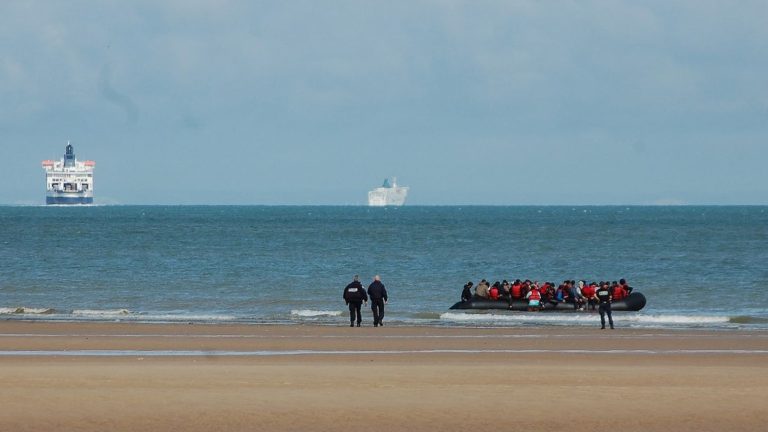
<point x="634" y="302"/>
<point x="70" y="200"/>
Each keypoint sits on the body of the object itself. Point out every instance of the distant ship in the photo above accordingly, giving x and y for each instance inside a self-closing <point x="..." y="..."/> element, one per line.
<point x="69" y="181"/>
<point x="389" y="194"/>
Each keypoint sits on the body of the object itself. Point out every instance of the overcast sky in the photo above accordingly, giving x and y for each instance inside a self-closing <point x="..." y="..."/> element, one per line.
<point x="315" y="102"/>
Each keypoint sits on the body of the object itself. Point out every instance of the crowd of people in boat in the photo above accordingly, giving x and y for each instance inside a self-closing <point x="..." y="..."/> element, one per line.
<point x="581" y="294"/>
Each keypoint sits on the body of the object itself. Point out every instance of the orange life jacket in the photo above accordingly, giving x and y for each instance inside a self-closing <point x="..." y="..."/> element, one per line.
<point x="535" y="294"/>
<point x="618" y="292"/>
<point x="494" y="293"/>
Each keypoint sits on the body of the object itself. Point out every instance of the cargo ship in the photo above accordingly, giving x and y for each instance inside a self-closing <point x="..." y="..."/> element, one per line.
<point x="68" y="180"/>
<point x="389" y="194"/>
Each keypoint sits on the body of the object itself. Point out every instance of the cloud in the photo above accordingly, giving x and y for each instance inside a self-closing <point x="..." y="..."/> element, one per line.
<point x="423" y="88"/>
<point x="116" y="98"/>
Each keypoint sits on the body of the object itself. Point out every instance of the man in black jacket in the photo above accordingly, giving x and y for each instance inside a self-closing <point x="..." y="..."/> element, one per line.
<point x="604" y="296"/>
<point x="378" y="295"/>
<point x="354" y="295"/>
<point x="466" y="293"/>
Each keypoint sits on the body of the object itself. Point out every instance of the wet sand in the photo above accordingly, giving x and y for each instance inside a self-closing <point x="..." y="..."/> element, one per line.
<point x="139" y="377"/>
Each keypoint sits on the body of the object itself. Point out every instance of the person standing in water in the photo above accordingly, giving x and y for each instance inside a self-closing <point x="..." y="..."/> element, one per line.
<point x="354" y="296"/>
<point x="604" y="298"/>
<point x="378" y="294"/>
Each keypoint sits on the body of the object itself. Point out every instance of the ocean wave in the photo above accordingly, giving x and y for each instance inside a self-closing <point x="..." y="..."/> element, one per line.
<point x="185" y="317"/>
<point x="100" y="312"/>
<point x="678" y="319"/>
<point x="746" y="319"/>
<point x="26" y="310"/>
<point x="577" y="318"/>
<point x="309" y="313"/>
<point x="426" y="315"/>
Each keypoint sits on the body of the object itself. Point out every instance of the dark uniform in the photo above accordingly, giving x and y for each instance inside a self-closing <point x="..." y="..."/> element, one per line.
<point x="354" y="295"/>
<point x="604" y="297"/>
<point x="466" y="293"/>
<point x="378" y="295"/>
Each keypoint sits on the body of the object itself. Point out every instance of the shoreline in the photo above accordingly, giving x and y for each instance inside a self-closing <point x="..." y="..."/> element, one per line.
<point x="448" y="319"/>
<point x="398" y="378"/>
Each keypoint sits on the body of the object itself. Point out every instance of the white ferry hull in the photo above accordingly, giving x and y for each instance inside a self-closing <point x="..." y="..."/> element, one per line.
<point x="388" y="195"/>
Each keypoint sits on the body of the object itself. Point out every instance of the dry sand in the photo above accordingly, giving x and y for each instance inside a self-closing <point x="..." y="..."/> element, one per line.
<point x="429" y="379"/>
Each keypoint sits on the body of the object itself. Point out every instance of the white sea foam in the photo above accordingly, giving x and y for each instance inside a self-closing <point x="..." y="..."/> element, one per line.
<point x="677" y="319"/>
<point x="180" y="317"/>
<point x="101" y="313"/>
<point x="25" y="310"/>
<point x="579" y="318"/>
<point x="501" y="318"/>
<point x="314" y="313"/>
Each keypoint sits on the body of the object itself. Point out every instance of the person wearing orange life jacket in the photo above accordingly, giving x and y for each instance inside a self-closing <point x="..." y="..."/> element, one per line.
<point x="517" y="290"/>
<point x="627" y="288"/>
<point x="617" y="291"/>
<point x="544" y="291"/>
<point x="493" y="292"/>
<point x="589" y="293"/>
<point x="534" y="299"/>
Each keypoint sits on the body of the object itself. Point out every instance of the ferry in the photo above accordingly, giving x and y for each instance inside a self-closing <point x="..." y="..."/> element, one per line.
<point x="389" y="194"/>
<point x="68" y="180"/>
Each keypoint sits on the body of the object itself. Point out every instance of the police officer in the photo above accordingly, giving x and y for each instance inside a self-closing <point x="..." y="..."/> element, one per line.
<point x="604" y="298"/>
<point x="354" y="296"/>
<point x="378" y="294"/>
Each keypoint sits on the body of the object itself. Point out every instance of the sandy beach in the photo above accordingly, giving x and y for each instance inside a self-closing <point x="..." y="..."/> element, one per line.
<point x="138" y="377"/>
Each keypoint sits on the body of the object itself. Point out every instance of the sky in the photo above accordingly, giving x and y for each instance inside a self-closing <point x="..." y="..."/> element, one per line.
<point x="316" y="102"/>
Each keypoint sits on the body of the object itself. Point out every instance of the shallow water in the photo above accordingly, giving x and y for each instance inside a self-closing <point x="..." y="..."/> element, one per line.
<point x="698" y="266"/>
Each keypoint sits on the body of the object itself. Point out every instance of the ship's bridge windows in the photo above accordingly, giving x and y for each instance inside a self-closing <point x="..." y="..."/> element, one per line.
<point x="85" y="186"/>
<point x="70" y="187"/>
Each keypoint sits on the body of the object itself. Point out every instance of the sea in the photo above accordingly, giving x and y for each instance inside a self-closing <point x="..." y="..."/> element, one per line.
<point x="699" y="267"/>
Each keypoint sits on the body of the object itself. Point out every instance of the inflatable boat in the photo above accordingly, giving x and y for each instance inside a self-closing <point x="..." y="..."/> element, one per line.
<point x="634" y="302"/>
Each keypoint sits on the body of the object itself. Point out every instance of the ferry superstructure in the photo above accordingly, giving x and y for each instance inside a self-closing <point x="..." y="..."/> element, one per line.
<point x="68" y="180"/>
<point x="389" y="194"/>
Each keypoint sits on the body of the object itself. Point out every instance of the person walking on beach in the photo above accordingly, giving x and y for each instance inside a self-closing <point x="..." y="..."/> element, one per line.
<point x="604" y="298"/>
<point x="354" y="296"/>
<point x="378" y="294"/>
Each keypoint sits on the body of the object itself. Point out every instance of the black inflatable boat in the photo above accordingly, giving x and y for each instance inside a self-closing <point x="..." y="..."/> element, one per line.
<point x="634" y="302"/>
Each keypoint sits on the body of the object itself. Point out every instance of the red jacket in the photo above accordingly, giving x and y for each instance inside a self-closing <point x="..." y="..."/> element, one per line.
<point x="534" y="294"/>
<point x="618" y="293"/>
<point x="494" y="293"/>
